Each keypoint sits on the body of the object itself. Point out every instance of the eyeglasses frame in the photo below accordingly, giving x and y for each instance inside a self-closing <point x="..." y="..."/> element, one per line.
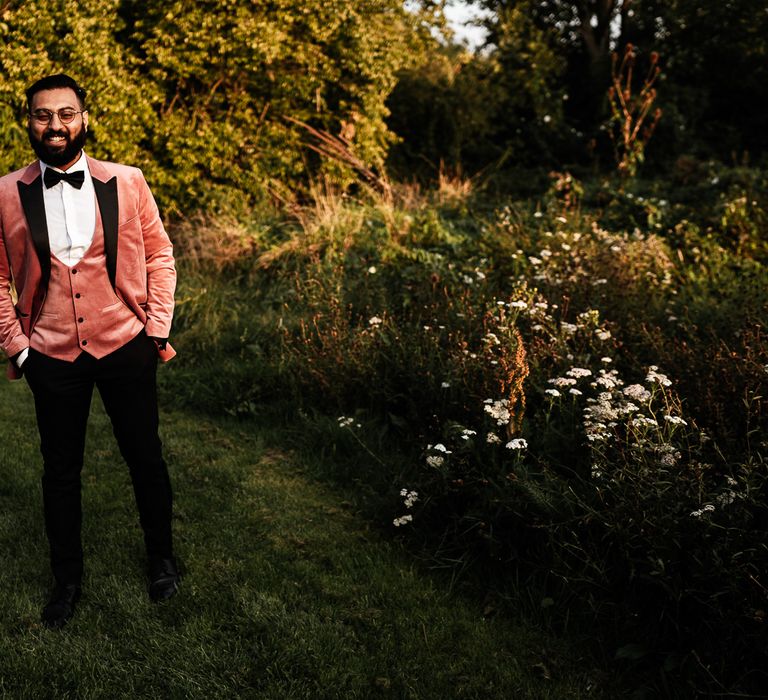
<point x="37" y="114"/>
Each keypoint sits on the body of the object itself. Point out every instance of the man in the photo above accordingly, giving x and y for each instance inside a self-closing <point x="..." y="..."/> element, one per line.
<point x="93" y="275"/>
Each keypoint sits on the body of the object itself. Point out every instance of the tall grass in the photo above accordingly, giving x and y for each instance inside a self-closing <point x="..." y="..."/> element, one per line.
<point x="570" y="390"/>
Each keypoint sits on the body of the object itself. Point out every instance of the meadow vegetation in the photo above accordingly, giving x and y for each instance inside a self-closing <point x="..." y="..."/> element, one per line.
<point x="564" y="396"/>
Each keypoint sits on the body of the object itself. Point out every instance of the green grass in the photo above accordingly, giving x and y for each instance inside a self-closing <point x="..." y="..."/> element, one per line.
<point x="288" y="592"/>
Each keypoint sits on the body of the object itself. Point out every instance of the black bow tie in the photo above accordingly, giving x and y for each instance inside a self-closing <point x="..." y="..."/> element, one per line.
<point x="54" y="177"/>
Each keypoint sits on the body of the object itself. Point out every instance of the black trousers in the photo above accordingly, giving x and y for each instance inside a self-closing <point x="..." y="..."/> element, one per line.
<point x="126" y="380"/>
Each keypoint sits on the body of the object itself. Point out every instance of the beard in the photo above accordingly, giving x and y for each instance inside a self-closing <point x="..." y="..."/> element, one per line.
<point x="58" y="155"/>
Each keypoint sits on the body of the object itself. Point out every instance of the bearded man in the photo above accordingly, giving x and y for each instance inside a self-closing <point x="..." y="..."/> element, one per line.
<point x="93" y="279"/>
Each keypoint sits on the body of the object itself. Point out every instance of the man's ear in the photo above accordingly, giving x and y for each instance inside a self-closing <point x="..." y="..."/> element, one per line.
<point x="85" y="120"/>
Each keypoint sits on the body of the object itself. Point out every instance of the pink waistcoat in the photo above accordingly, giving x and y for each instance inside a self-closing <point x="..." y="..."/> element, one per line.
<point x="81" y="310"/>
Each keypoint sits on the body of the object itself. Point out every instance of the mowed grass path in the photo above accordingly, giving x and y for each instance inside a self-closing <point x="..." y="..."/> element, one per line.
<point x="287" y="594"/>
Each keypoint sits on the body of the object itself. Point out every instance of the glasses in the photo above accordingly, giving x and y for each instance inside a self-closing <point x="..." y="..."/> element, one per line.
<point x="45" y="116"/>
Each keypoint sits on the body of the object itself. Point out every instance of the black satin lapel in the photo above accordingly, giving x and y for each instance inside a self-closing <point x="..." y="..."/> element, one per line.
<point x="31" y="197"/>
<point x="106" y="196"/>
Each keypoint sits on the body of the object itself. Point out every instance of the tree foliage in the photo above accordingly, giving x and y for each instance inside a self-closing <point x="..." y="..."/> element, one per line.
<point x="198" y="92"/>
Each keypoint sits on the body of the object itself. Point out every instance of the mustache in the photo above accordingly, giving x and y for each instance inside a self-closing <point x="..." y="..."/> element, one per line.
<point x="55" y="132"/>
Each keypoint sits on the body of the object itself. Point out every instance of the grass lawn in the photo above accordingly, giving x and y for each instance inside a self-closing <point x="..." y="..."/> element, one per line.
<point x="287" y="594"/>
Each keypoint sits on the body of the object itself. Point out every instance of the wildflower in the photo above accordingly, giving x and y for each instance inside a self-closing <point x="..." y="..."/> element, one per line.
<point x="534" y="260"/>
<point x="603" y="334"/>
<point x="606" y="360"/>
<point x="492" y="439"/>
<point x="601" y="280"/>
<point x="467" y="279"/>
<point x="569" y="328"/>
<point x="654" y="376"/>
<point x="579" y="372"/>
<point x="466" y="433"/>
<point x="545" y="253"/>
<point x="675" y="420"/>
<point x="562" y="219"/>
<point x="498" y="410"/>
<point x="439" y="448"/>
<point x="547" y="119"/>
<point x="562" y="381"/>
<point x="345" y="422"/>
<point x="641" y="421"/>
<point x="524" y="305"/>
<point x="402" y="520"/>
<point x="552" y="392"/>
<point x="637" y="392"/>
<point x="574" y="392"/>
<point x="706" y="509"/>
<point x="516" y="444"/>
<point x="668" y="460"/>
<point x="537" y="215"/>
<point x="374" y="321"/>
<point x="372" y="270"/>
<point x="445" y="385"/>
<point x="435" y="461"/>
<point x="410" y="497"/>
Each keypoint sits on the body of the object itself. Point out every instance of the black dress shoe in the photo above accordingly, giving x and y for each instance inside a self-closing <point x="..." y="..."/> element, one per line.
<point x="61" y="606"/>
<point x="164" y="579"/>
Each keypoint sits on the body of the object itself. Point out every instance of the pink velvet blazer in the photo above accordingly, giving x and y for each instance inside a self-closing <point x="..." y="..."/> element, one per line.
<point x="139" y="255"/>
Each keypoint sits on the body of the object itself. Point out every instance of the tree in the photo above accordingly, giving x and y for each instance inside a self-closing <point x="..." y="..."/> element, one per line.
<point x="198" y="93"/>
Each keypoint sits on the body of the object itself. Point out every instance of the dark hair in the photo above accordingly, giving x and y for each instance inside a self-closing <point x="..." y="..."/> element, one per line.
<point x="52" y="82"/>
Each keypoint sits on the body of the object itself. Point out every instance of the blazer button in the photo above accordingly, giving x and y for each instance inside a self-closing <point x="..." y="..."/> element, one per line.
<point x="74" y="272"/>
<point x="80" y="320"/>
<point x="77" y="296"/>
<point x="85" y="342"/>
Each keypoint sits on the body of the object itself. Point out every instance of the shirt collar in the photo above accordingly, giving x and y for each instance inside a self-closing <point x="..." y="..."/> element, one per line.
<point x="80" y="164"/>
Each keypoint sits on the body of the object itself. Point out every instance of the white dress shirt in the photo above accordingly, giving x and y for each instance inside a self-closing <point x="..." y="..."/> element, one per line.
<point x="70" y="214"/>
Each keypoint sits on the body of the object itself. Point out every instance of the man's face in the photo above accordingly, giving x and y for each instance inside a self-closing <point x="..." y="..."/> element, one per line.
<point x="55" y="143"/>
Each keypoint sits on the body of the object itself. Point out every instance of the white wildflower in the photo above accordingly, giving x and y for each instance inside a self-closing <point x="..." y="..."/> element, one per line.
<point x="675" y="420"/>
<point x="345" y="422"/>
<point x="642" y="421"/>
<point x="655" y="377"/>
<point x="498" y="410"/>
<point x="606" y="360"/>
<point x="579" y="372"/>
<point x="569" y="328"/>
<point x="435" y="461"/>
<point x="562" y="382"/>
<point x="410" y="497"/>
<point x="372" y="270"/>
<point x="466" y="433"/>
<point x="374" y="321"/>
<point x="445" y="385"/>
<point x="516" y="444"/>
<point x="603" y="334"/>
<point x="574" y="392"/>
<point x="552" y="392"/>
<point x="637" y="392"/>
<point x="706" y="509"/>
<point x="492" y="439"/>
<point x="402" y="520"/>
<point x="518" y="304"/>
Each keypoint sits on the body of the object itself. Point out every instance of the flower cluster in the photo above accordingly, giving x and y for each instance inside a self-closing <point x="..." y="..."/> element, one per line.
<point x="409" y="499"/>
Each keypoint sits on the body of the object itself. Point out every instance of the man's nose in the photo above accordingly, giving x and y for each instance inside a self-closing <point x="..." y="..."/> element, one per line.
<point x="55" y="117"/>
